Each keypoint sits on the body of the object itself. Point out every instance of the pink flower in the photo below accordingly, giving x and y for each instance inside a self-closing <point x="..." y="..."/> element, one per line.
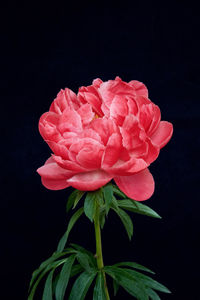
<point x="109" y="130"/>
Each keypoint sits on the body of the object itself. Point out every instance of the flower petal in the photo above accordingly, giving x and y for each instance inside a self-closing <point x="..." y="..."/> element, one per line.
<point x="68" y="165"/>
<point x="86" y="113"/>
<point x="70" y="120"/>
<point x="140" y="88"/>
<point x="53" y="184"/>
<point x="112" y="151"/>
<point x="139" y="186"/>
<point x="90" y="95"/>
<point x="51" y="170"/>
<point x="105" y="128"/>
<point x="48" y="126"/>
<point x="54" y="177"/>
<point x="65" y="99"/>
<point x="126" y="168"/>
<point x="163" y="134"/>
<point x="89" y="181"/>
<point x="58" y="149"/>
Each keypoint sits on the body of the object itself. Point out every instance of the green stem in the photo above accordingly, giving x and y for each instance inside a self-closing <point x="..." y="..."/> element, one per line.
<point x="99" y="255"/>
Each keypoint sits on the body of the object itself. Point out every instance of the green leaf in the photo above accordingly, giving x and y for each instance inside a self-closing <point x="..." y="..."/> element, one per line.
<point x="84" y="261"/>
<point x="47" y="294"/>
<point x="76" y="269"/>
<point x="54" y="283"/>
<point x="42" y="274"/>
<point x="153" y="295"/>
<point x="90" y="205"/>
<point x="71" y="199"/>
<point x="148" y="281"/>
<point x="108" y="195"/>
<point x="128" y="282"/>
<point x="134" y="265"/>
<point x="72" y="221"/>
<point x="138" y="208"/>
<point x="48" y="261"/>
<point x="99" y="289"/>
<point x="64" y="278"/>
<point x="126" y="220"/>
<point x="118" y="192"/>
<point x="115" y="287"/>
<point x="93" y="261"/>
<point x="79" y="195"/>
<point x="81" y="286"/>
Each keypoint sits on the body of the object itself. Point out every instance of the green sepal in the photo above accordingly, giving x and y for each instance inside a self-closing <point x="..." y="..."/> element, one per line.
<point x="133" y="265"/>
<point x="108" y="195"/>
<point x="126" y="220"/>
<point x="81" y="285"/>
<point x="137" y="207"/>
<point x="79" y="195"/>
<point x="119" y="193"/>
<point x="99" y="289"/>
<point x="71" y="199"/>
<point x="114" y="203"/>
<point x="90" y="205"/>
<point x="128" y="282"/>
<point x="48" y="292"/>
<point x="64" y="278"/>
<point x="74" y="218"/>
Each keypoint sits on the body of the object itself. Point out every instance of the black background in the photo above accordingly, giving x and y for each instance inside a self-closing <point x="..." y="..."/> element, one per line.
<point x="50" y="46"/>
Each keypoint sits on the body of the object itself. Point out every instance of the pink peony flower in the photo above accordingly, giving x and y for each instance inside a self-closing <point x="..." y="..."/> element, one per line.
<point x="109" y="130"/>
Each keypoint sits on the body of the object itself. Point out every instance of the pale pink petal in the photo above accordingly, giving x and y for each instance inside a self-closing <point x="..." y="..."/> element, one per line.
<point x="70" y="120"/>
<point x="163" y="134"/>
<point x="109" y="89"/>
<point x="140" y="151"/>
<point x="90" y="133"/>
<point x="153" y="152"/>
<point x="65" y="99"/>
<point x="68" y="165"/>
<point x="86" y="113"/>
<point x="139" y="186"/>
<point x="58" y="149"/>
<point x="89" y="154"/>
<point x="105" y="128"/>
<point x="132" y="105"/>
<point x="149" y="117"/>
<point x="48" y="126"/>
<point x="54" y="177"/>
<point x="140" y="88"/>
<point x="53" y="171"/>
<point x="97" y="82"/>
<point x="142" y="100"/>
<point x="55" y="185"/>
<point x="112" y="151"/>
<point x="89" y="181"/>
<point x="133" y="134"/>
<point x="118" y="109"/>
<point x="125" y="168"/>
<point x="155" y="120"/>
<point x="90" y="95"/>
